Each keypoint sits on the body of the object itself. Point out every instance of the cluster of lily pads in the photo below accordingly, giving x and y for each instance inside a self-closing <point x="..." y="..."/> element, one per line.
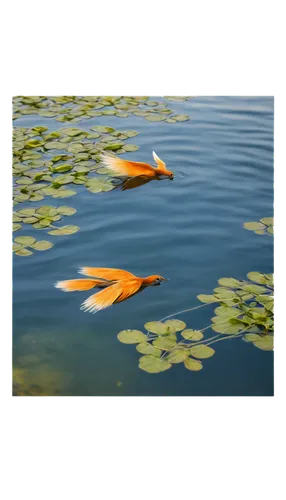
<point x="245" y="309"/>
<point x="265" y="225"/>
<point x="39" y="172"/>
<point x="74" y="109"/>
<point x="40" y="218"/>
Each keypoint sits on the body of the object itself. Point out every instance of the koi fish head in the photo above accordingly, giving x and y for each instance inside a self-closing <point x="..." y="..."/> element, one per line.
<point x="161" y="169"/>
<point x="153" y="280"/>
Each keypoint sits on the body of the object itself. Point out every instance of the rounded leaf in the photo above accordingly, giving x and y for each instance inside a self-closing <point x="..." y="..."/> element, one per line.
<point x="254" y="226"/>
<point x="207" y="299"/>
<point x="181" y="118"/>
<point x="175" y="324"/>
<point x="146" y="348"/>
<point x="258" y="278"/>
<point x="151" y="364"/>
<point x="165" y="343"/>
<point x="155" y="118"/>
<point x="229" y="282"/>
<point x="25" y="240"/>
<point x="42" y="245"/>
<point x="24" y="252"/>
<point x="193" y="364"/>
<point x="178" y="355"/>
<point x="27" y="212"/>
<point x="156" y="327"/>
<point x="201" y="351"/>
<point x="132" y="337"/>
<point x="192" y="335"/>
<point x="64" y="230"/>
<point x="66" y="210"/>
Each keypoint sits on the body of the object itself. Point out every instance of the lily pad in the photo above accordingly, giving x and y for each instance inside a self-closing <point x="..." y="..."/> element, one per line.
<point x="177" y="355"/>
<point x="132" y="337"/>
<point x="24" y="252"/>
<point x="254" y="226"/>
<point x="65" y="193"/>
<point x="192" y="335"/>
<point x="175" y="324"/>
<point x="66" y="210"/>
<point x="42" y="245"/>
<point x="207" y="299"/>
<point x="165" y="343"/>
<point x="155" y="118"/>
<point x="156" y="327"/>
<point x="202" y="351"/>
<point x="64" y="230"/>
<point x="26" y="212"/>
<point x="25" y="240"/>
<point x="181" y="118"/>
<point x="229" y="282"/>
<point x="193" y="364"/>
<point x="104" y="130"/>
<point x="152" y="364"/>
<point x="130" y="147"/>
<point x="146" y="348"/>
<point x="16" y="227"/>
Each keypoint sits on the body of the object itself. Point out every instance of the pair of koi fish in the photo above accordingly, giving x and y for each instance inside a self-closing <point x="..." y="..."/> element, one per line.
<point x="117" y="285"/>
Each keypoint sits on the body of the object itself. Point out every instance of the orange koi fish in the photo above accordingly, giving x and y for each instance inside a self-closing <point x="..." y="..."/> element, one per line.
<point x="135" y="168"/>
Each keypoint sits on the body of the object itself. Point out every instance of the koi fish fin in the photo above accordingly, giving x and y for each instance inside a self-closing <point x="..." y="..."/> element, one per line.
<point x="159" y="162"/>
<point x="78" y="285"/>
<point x="106" y="273"/>
<point x="127" y="168"/>
<point x="113" y="294"/>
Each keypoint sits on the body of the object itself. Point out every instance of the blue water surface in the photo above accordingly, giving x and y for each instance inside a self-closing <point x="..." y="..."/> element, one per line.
<point x="189" y="230"/>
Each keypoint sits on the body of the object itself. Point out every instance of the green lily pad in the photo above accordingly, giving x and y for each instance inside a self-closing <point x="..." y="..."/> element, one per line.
<point x="42" y="245"/>
<point x="254" y="226"/>
<point x="207" y="299"/>
<point x="264" y="343"/>
<point x="24" y="181"/>
<point x="17" y="246"/>
<point x="202" y="351"/>
<point x="229" y="282"/>
<point x="25" y="240"/>
<point x="178" y="355"/>
<point x="258" y="278"/>
<point x="72" y="132"/>
<point x="193" y="364"/>
<point x="65" y="193"/>
<point x="227" y="328"/>
<point x="192" y="335"/>
<point x="130" y="147"/>
<point x="156" y="327"/>
<point x="63" y="168"/>
<point x="155" y="118"/>
<point x="24" y="252"/>
<point x="152" y="364"/>
<point x="166" y="343"/>
<point x="132" y="337"/>
<point x="30" y="220"/>
<point x="227" y="312"/>
<point x="16" y="227"/>
<point x="26" y="212"/>
<point x="66" y="210"/>
<point x="175" y="324"/>
<point x="64" y="230"/>
<point x="146" y="348"/>
<point x="47" y="210"/>
<point x="130" y="133"/>
<point x="181" y="118"/>
<point x="54" y="145"/>
<point x="104" y="130"/>
<point x="36" y="197"/>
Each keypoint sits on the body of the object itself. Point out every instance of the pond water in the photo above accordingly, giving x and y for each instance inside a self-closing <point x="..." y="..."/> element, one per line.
<point x="189" y="230"/>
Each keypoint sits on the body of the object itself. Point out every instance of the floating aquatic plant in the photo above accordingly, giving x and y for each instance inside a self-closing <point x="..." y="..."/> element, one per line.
<point x="23" y="245"/>
<point x="243" y="309"/>
<point x="265" y="225"/>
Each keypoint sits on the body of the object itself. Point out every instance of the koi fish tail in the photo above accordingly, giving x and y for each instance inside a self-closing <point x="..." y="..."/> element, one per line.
<point x="79" y="285"/>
